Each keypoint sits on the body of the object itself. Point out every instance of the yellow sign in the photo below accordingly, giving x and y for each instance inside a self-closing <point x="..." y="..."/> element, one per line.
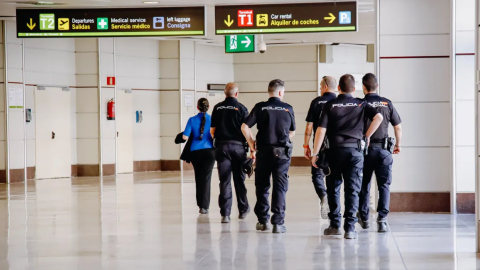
<point x="228" y="22"/>
<point x="63" y="24"/>
<point x="262" y="19"/>
<point x="31" y="25"/>
<point x="331" y="18"/>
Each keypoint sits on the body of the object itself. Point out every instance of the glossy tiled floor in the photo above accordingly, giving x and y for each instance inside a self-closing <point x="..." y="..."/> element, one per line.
<point x="150" y="221"/>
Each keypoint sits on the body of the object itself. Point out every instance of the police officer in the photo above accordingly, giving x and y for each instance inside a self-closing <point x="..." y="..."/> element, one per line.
<point x="230" y="154"/>
<point x="379" y="158"/>
<point x="276" y="126"/>
<point x="327" y="88"/>
<point x="343" y="122"/>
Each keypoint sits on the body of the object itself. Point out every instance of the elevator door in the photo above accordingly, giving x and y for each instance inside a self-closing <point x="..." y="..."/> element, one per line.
<point x="52" y="133"/>
<point x="124" y="117"/>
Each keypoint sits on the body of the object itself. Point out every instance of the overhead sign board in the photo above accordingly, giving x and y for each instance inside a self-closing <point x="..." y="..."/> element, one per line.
<point x="113" y="22"/>
<point x="286" y="18"/>
<point x="239" y="43"/>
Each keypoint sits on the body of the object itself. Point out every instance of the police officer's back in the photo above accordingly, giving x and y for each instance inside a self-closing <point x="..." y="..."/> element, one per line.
<point x="276" y="126"/>
<point x="227" y="119"/>
<point x="379" y="158"/>
<point x="343" y="122"/>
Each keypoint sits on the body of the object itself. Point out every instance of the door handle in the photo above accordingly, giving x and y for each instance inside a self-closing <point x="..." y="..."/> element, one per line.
<point x="117" y="133"/>
<point x="53" y="135"/>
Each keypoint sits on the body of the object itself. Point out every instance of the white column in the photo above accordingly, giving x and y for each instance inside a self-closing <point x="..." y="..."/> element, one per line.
<point x="415" y="73"/>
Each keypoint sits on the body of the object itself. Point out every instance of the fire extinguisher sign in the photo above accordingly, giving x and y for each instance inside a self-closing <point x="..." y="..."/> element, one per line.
<point x="110" y="80"/>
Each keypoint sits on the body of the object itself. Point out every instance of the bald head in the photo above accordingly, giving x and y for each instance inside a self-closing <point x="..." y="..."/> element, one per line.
<point x="231" y="89"/>
<point x="328" y="84"/>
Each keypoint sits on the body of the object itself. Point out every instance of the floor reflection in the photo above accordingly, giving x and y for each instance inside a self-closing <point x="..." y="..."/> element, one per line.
<point x="150" y="221"/>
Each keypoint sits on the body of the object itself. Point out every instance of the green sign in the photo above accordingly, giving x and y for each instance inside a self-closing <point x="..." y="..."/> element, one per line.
<point x="47" y="21"/>
<point x="111" y="22"/>
<point x="102" y="23"/>
<point x="239" y="43"/>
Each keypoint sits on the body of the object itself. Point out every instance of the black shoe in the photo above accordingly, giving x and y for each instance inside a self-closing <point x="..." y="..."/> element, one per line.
<point x="324" y="207"/>
<point x="203" y="211"/>
<point x="350" y="235"/>
<point x="332" y="231"/>
<point x="279" y="228"/>
<point x="225" y="219"/>
<point x="382" y="225"/>
<point x="262" y="227"/>
<point x="244" y="214"/>
<point x="365" y="224"/>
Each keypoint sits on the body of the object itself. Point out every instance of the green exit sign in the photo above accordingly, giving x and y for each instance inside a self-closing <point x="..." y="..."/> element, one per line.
<point x="239" y="43"/>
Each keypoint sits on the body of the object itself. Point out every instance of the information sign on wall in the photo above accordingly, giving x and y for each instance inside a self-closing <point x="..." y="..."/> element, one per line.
<point x="113" y="22"/>
<point x="286" y="18"/>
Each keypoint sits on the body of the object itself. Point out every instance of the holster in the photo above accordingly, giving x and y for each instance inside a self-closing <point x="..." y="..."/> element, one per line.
<point x="322" y="161"/>
<point x="362" y="146"/>
<point x="390" y="144"/>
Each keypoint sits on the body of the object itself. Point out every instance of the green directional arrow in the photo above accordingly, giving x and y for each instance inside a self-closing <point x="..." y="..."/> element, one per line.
<point x="239" y="43"/>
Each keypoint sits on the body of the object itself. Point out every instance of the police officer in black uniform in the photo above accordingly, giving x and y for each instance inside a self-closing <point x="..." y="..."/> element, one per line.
<point x="327" y="88"/>
<point x="230" y="154"/>
<point x="343" y="122"/>
<point x="379" y="158"/>
<point x="276" y="126"/>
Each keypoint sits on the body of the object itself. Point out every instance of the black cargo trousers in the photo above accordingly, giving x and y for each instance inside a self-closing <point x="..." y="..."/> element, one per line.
<point x="230" y="157"/>
<point x="380" y="161"/>
<point x="275" y="162"/>
<point x="346" y="162"/>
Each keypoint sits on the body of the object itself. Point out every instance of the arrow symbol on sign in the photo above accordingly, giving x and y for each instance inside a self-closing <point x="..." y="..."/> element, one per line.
<point x="228" y="22"/>
<point x="31" y="25"/>
<point x="246" y="42"/>
<point x="331" y="18"/>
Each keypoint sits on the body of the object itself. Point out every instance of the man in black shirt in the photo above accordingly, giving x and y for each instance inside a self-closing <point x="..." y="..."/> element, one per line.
<point x="379" y="158"/>
<point x="227" y="119"/>
<point x="276" y="126"/>
<point x="343" y="122"/>
<point x="327" y="88"/>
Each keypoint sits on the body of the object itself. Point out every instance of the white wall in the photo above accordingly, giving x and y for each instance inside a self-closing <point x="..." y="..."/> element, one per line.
<point x="418" y="83"/>
<point x="86" y="63"/>
<point x="139" y="69"/>
<point x="169" y="99"/>
<point x="465" y="94"/>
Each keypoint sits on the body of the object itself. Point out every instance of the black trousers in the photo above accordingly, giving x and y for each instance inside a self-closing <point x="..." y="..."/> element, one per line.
<point x="203" y="161"/>
<point x="379" y="161"/>
<point x="346" y="163"/>
<point x="230" y="158"/>
<point x="275" y="165"/>
<point x="318" y="182"/>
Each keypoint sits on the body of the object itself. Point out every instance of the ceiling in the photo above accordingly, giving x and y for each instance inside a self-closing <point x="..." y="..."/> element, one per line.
<point x="365" y="34"/>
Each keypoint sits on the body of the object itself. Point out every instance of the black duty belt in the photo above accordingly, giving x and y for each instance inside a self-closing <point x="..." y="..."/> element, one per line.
<point x="230" y="142"/>
<point x="376" y="145"/>
<point x="345" y="145"/>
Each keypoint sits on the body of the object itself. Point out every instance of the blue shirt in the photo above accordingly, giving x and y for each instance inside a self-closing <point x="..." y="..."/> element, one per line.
<point x="193" y="129"/>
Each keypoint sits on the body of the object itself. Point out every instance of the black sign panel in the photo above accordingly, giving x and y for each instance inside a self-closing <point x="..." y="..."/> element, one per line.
<point x="116" y="22"/>
<point x="286" y="18"/>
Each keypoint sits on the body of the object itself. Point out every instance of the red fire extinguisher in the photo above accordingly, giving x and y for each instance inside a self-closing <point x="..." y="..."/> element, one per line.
<point x="111" y="110"/>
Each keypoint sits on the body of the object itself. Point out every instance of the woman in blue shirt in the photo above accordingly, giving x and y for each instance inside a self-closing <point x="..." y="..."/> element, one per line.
<point x="202" y="153"/>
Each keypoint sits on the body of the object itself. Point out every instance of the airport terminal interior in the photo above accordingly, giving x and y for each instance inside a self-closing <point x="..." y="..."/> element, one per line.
<point x="93" y="94"/>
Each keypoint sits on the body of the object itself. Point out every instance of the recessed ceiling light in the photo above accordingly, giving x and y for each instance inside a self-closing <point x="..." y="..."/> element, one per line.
<point x="43" y="3"/>
<point x="150" y="2"/>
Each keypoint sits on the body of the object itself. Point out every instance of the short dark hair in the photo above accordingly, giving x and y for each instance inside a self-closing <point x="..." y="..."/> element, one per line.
<point x="274" y="85"/>
<point x="370" y="82"/>
<point x="347" y="83"/>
